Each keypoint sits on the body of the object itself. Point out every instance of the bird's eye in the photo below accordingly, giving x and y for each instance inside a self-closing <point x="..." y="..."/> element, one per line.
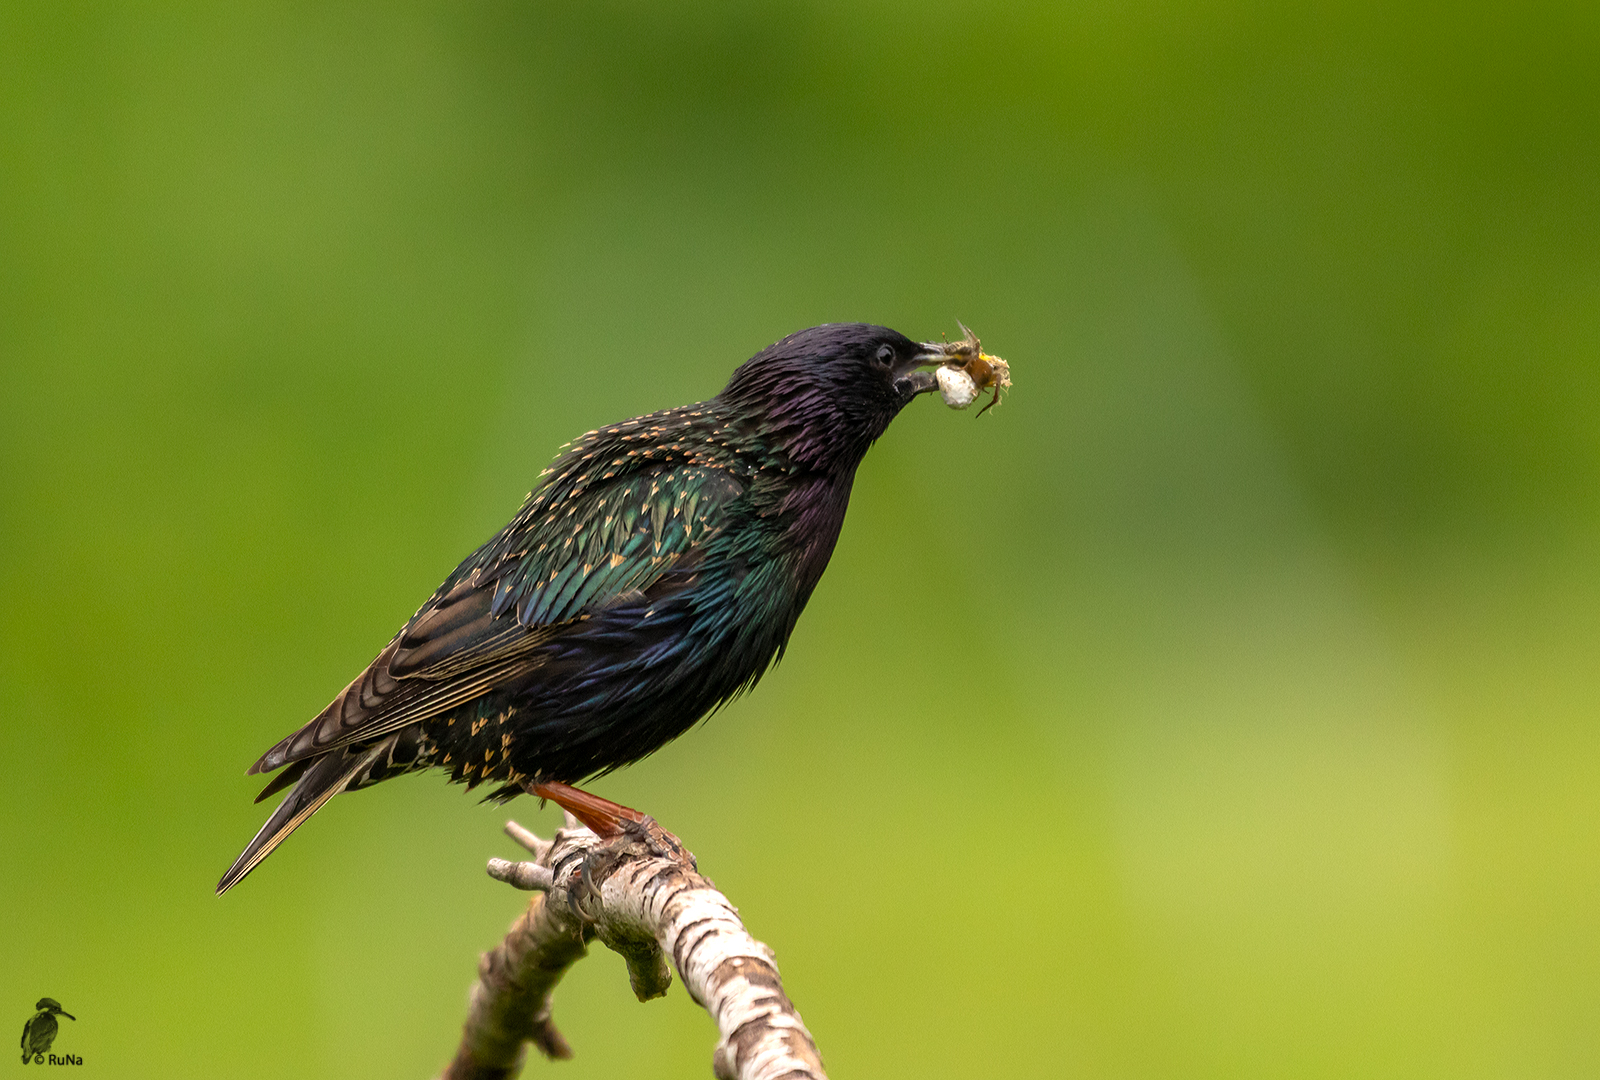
<point x="885" y="354"/>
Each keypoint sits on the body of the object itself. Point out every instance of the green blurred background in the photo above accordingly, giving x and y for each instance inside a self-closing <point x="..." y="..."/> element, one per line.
<point x="1224" y="705"/>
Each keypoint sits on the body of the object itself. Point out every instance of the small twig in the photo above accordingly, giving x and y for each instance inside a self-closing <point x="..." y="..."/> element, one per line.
<point x="538" y="846"/>
<point x="641" y="895"/>
<point x="527" y="876"/>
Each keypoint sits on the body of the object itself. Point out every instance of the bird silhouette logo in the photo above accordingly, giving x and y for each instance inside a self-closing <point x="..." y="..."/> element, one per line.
<point x="40" y="1031"/>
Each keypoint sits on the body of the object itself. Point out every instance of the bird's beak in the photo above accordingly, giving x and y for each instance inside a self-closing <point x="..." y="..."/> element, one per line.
<point x="910" y="378"/>
<point x="934" y="353"/>
<point x="69" y="1016"/>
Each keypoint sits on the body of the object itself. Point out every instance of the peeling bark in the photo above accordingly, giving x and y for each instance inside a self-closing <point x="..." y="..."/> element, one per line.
<point x="639" y="892"/>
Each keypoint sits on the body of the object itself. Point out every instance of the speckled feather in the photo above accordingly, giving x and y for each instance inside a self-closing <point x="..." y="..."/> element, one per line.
<point x="655" y="572"/>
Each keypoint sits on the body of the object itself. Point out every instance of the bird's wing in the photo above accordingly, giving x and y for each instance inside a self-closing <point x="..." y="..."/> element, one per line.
<point x="567" y="554"/>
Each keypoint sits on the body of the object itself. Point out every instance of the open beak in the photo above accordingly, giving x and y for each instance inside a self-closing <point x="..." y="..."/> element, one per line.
<point x="911" y="379"/>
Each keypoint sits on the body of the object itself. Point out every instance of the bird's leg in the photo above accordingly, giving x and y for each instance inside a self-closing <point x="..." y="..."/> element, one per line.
<point x="611" y="821"/>
<point x="606" y="819"/>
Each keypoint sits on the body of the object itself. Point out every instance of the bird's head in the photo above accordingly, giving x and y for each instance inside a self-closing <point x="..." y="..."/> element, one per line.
<point x="826" y="393"/>
<point x="52" y="1006"/>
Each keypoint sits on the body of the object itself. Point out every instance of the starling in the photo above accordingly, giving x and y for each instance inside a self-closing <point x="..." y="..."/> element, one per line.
<point x="654" y="573"/>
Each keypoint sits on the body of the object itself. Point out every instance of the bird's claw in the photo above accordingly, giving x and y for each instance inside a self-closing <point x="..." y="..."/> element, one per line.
<point x="583" y="888"/>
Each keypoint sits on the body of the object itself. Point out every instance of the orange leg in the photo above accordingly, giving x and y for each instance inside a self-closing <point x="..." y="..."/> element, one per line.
<point x="603" y="817"/>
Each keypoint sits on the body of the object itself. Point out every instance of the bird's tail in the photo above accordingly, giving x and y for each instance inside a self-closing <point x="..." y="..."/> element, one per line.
<point x="325" y="778"/>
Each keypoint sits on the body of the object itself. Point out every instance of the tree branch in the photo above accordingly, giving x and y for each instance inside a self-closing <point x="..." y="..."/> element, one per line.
<point x="639" y="892"/>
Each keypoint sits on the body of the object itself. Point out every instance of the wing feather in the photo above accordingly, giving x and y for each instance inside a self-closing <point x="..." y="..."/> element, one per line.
<point x="561" y="558"/>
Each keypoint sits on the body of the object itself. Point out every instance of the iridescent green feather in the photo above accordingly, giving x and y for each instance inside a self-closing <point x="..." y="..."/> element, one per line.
<point x="611" y="540"/>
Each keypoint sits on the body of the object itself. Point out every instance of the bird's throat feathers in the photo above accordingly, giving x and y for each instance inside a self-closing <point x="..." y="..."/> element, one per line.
<point x="815" y="513"/>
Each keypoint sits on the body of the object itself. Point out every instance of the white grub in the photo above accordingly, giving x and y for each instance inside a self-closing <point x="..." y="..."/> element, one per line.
<point x="956" y="387"/>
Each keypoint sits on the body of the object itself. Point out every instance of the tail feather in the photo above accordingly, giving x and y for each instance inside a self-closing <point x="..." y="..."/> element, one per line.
<point x="285" y="778"/>
<point x="325" y="778"/>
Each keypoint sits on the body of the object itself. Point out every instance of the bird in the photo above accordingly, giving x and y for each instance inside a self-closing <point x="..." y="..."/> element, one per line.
<point x="40" y="1030"/>
<point x="654" y="573"/>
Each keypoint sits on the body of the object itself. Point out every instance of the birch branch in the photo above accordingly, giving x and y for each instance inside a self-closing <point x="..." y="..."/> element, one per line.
<point x="640" y="893"/>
